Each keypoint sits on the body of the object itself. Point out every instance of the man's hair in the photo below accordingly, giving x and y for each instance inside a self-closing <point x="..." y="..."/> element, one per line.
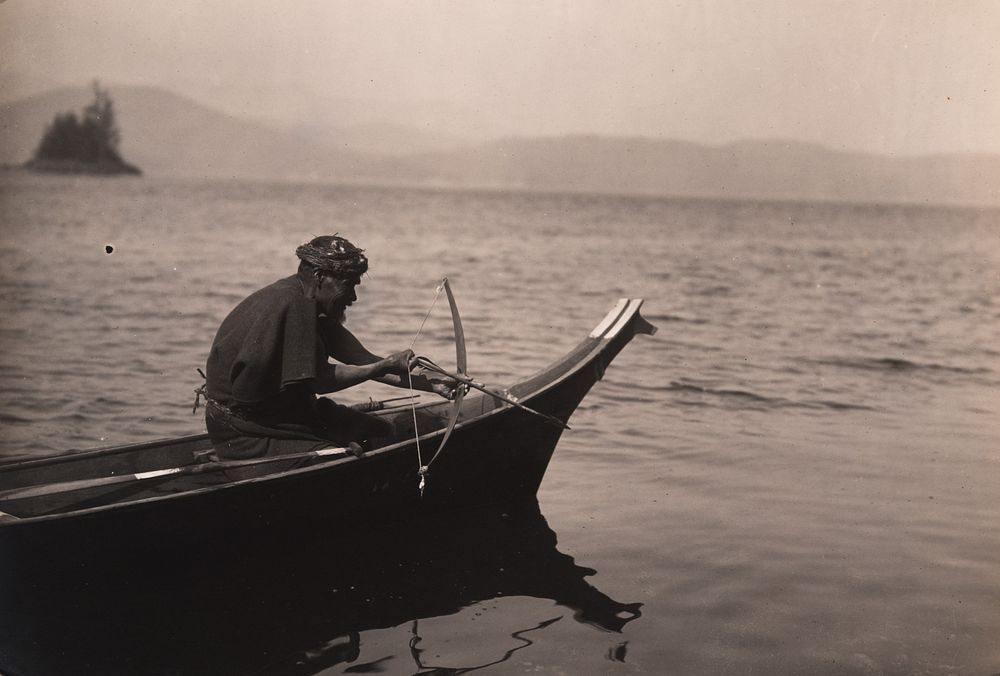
<point x="334" y="255"/>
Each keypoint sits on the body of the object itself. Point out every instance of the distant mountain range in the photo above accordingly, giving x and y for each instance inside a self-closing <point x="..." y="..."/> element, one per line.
<point x="169" y="135"/>
<point x="753" y="169"/>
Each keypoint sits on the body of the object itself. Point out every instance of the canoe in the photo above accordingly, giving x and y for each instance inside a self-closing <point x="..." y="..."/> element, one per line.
<point x="167" y="490"/>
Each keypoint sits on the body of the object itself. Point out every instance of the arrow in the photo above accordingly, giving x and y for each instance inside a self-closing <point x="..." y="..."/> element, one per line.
<point x="428" y="364"/>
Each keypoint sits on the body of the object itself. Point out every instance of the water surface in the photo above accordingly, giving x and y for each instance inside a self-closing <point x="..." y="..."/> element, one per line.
<point x="798" y="474"/>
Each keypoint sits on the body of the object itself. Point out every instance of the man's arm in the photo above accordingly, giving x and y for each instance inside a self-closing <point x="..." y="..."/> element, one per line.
<point x="344" y="346"/>
<point x="334" y="377"/>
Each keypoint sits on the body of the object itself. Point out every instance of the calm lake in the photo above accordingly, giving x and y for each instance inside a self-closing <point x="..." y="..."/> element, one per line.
<point x="799" y="474"/>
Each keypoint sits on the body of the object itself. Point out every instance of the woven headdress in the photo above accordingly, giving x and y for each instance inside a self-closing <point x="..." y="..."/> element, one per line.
<point x="335" y="255"/>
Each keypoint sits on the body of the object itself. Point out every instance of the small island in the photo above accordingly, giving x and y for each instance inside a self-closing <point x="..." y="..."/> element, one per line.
<point x="85" y="145"/>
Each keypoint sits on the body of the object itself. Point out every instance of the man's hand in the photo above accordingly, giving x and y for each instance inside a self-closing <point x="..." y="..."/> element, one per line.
<point x="447" y="388"/>
<point x="404" y="365"/>
<point x="400" y="363"/>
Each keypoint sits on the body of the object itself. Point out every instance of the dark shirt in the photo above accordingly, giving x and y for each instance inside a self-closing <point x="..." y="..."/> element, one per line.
<point x="266" y="353"/>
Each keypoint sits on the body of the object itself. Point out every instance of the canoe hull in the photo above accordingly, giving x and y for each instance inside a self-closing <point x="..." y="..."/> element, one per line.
<point x="493" y="461"/>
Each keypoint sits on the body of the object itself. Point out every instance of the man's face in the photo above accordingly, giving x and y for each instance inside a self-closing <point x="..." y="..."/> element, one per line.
<point x="334" y="295"/>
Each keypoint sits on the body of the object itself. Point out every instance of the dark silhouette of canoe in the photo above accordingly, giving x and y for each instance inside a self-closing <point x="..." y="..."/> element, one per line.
<point x="295" y="601"/>
<point x="168" y="492"/>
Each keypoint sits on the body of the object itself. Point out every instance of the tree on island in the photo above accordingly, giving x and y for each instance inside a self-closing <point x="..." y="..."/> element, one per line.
<point x="83" y="145"/>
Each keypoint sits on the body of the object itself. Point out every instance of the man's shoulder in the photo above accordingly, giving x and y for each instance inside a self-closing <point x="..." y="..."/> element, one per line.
<point x="285" y="291"/>
<point x="271" y="302"/>
<point x="289" y="286"/>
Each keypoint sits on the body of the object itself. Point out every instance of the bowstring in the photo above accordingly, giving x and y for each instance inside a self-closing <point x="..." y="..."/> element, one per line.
<point x="422" y="469"/>
<point x="437" y="295"/>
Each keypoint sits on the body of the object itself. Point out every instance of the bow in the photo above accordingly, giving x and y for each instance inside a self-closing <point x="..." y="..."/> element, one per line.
<point x="464" y="383"/>
<point x="461" y="364"/>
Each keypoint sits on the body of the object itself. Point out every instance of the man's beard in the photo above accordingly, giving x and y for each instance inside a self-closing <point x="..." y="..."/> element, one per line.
<point x="337" y="313"/>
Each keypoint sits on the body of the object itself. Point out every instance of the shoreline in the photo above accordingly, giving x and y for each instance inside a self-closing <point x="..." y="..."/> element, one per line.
<point x="77" y="167"/>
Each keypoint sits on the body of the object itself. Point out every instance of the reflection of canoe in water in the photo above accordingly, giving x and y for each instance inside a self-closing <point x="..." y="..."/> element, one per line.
<point x="166" y="491"/>
<point x="293" y="602"/>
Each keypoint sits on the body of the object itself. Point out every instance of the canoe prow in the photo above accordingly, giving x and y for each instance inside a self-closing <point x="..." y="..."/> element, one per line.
<point x="624" y="315"/>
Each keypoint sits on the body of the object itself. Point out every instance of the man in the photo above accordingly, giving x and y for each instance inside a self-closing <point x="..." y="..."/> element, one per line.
<point x="269" y="361"/>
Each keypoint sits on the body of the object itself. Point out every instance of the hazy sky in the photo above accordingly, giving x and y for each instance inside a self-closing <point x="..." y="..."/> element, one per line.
<point x="889" y="76"/>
